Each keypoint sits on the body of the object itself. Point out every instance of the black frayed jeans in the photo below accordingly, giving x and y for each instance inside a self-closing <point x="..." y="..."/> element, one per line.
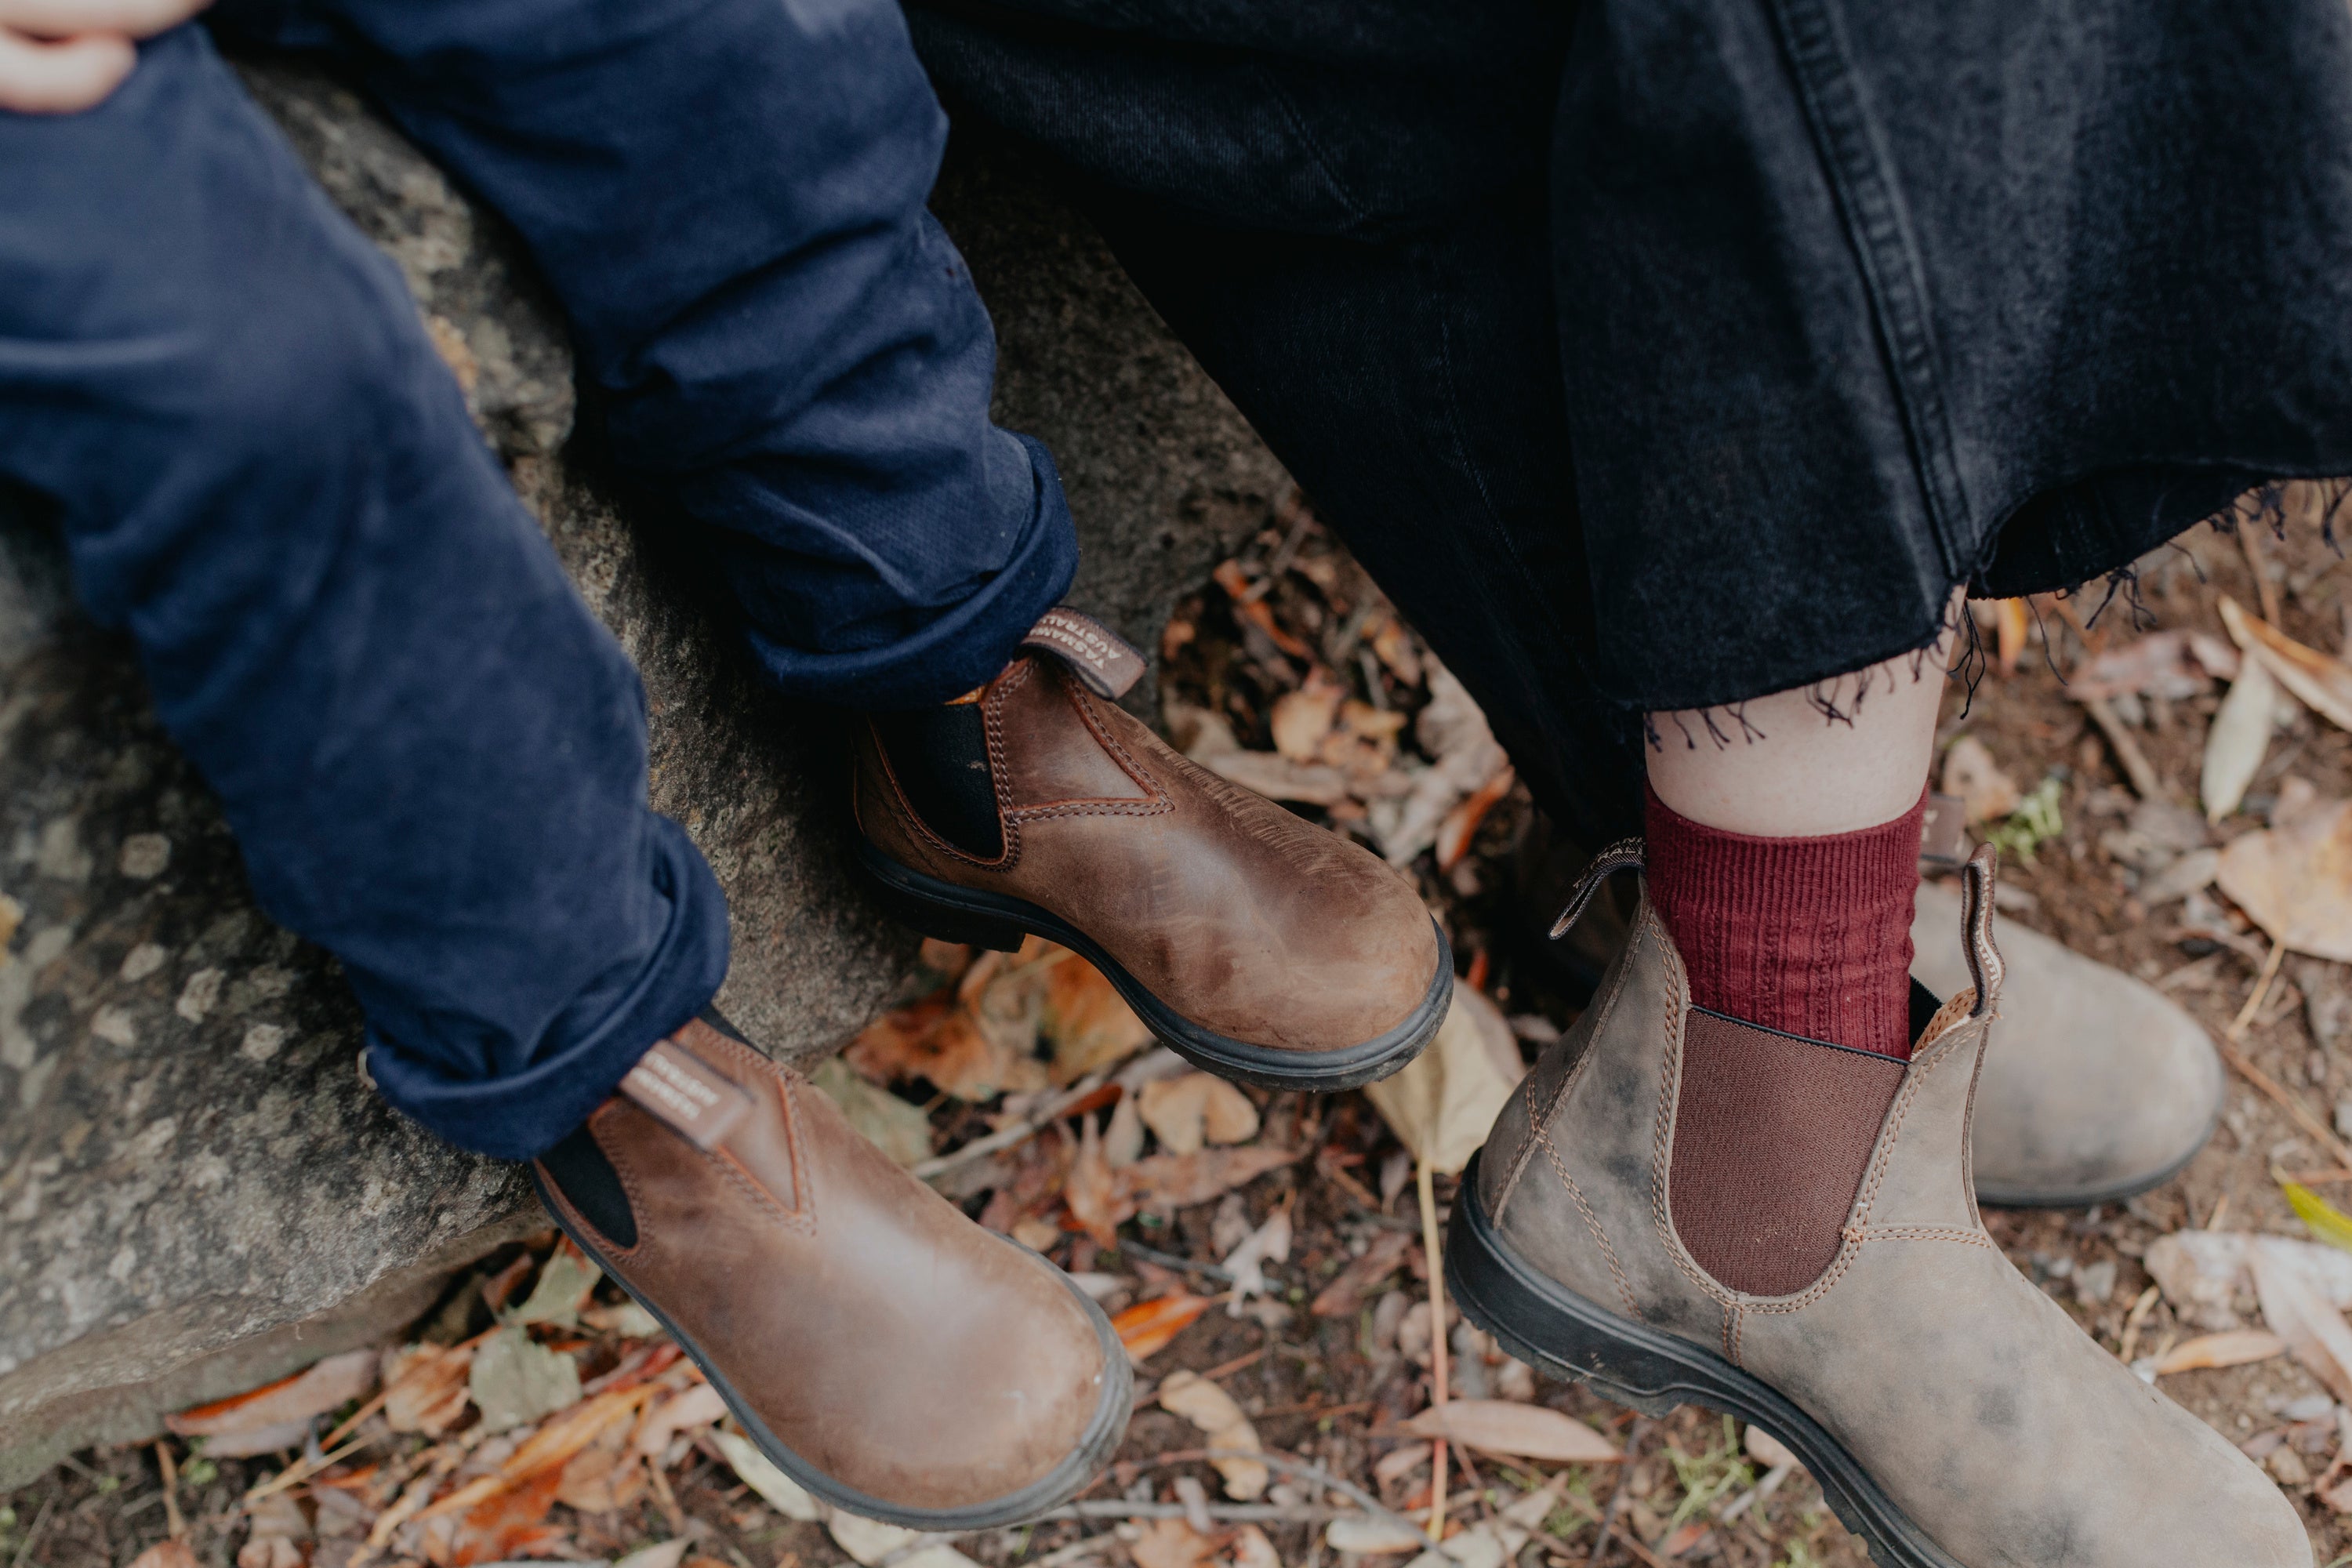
<point x="1661" y="356"/>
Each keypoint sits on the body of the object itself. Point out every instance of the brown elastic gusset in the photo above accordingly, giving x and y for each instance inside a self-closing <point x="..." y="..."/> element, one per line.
<point x="1773" y="1135"/>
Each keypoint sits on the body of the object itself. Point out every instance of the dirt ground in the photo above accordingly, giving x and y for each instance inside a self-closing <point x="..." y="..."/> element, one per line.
<point x="1333" y="1388"/>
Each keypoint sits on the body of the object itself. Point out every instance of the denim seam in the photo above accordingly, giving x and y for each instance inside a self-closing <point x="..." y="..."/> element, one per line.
<point x="1889" y="263"/>
<point x="1340" y="191"/>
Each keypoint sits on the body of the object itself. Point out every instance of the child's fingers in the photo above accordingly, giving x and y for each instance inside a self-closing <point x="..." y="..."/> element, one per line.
<point x="77" y="18"/>
<point x="64" y="76"/>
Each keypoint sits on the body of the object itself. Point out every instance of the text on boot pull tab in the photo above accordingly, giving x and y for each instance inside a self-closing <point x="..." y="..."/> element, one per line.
<point x="698" y="1104"/>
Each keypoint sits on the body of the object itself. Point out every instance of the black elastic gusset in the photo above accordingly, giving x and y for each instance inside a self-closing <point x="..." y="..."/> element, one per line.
<point x="940" y="758"/>
<point x="1924" y="1008"/>
<point x="580" y="1169"/>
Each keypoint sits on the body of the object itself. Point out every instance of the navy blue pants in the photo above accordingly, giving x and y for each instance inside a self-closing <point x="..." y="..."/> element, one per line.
<point x="432" y="754"/>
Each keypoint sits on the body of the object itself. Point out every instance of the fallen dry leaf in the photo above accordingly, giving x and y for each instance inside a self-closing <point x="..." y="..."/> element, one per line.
<point x="2162" y="664"/>
<point x="2239" y="738"/>
<point x="2324" y="684"/>
<point x="697" y="1407"/>
<point x="1517" y="1431"/>
<point x="561" y="1290"/>
<point x="515" y="1380"/>
<point x="1383" y="1256"/>
<point x="1148" y="1326"/>
<point x="2235" y="1347"/>
<point x="1097" y="1195"/>
<point x="1453" y="730"/>
<point x="1373" y="1534"/>
<point x="1987" y="794"/>
<point x="1302" y="718"/>
<point x="260" y="1422"/>
<point x="1185" y="1113"/>
<point x="1164" y="1183"/>
<point x="1766" y="1449"/>
<point x="1251" y="1549"/>
<point x="2202" y="1272"/>
<point x="1269" y="1243"/>
<point x="1086" y="1022"/>
<point x="425" y="1388"/>
<point x="171" y="1553"/>
<point x="502" y="1527"/>
<point x="1214" y="1411"/>
<point x="1443" y="1102"/>
<point x="894" y="1047"/>
<point x="1170" y="1544"/>
<point x="898" y="1128"/>
<point x="1461" y="824"/>
<point x="2315" y="1331"/>
<point x="1279" y="778"/>
<point x="2011" y="620"/>
<point x="755" y="1470"/>
<point x="1393" y="646"/>
<point x="661" y="1555"/>
<point x="2295" y="880"/>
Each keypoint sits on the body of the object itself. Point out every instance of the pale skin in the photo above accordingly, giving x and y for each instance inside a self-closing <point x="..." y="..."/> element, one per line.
<point x="1794" y="773"/>
<point x="61" y="57"/>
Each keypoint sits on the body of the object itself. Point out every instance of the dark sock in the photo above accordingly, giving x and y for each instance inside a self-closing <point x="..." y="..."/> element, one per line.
<point x="1809" y="936"/>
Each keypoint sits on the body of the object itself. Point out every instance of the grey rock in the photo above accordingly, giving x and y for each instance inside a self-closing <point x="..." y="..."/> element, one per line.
<point x="197" y="1191"/>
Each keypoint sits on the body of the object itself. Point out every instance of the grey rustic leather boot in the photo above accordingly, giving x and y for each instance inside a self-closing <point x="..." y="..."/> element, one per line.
<point x="1676" y="1205"/>
<point x="2097" y="1086"/>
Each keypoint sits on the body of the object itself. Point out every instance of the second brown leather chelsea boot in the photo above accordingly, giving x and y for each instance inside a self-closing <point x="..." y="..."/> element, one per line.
<point x="1258" y="946"/>
<point x="890" y="1355"/>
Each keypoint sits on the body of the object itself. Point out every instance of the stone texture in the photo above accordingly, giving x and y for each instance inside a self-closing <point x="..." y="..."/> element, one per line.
<point x="197" y="1191"/>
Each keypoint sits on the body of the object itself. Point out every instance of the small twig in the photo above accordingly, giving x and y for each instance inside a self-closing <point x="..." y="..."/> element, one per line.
<point x="1312" y="1472"/>
<point x="1227" y="1368"/>
<point x="2134" y="1321"/>
<point x="1170" y="1260"/>
<point x="25" y="1547"/>
<point x="2144" y="780"/>
<point x="1634" y="1437"/>
<point x="2316" y="1178"/>
<point x="1425" y="1185"/>
<point x="2261" y="988"/>
<point x="1250" y="1512"/>
<point x="1020" y="1132"/>
<point x="2266" y="590"/>
<point x="2303" y="1118"/>
<point x="175" y="1524"/>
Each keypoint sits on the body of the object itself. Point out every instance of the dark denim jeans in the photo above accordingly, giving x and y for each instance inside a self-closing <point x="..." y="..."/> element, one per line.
<point x="433" y="756"/>
<point x="1663" y="356"/>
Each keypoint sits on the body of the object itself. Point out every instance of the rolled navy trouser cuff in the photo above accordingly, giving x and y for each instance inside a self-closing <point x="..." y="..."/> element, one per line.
<point x="520" y="1115"/>
<point x="963" y="647"/>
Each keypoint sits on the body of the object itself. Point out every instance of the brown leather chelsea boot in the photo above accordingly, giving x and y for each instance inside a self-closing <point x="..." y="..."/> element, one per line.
<point x="888" y="1354"/>
<point x="1678" y="1207"/>
<point x="1256" y="945"/>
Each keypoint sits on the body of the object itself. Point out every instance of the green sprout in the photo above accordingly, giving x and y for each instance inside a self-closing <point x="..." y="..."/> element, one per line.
<point x="2034" y="822"/>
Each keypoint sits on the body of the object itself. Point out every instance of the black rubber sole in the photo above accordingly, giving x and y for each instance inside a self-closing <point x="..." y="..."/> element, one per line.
<point x="942" y="909"/>
<point x="1556" y="1331"/>
<point x="1058" y="1486"/>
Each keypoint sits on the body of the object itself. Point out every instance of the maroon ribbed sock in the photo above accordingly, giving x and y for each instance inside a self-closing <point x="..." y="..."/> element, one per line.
<point x="1811" y="936"/>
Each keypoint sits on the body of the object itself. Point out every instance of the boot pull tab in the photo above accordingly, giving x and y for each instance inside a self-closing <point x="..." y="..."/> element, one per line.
<point x="1625" y="855"/>
<point x="1985" y="964"/>
<point x="1104" y="663"/>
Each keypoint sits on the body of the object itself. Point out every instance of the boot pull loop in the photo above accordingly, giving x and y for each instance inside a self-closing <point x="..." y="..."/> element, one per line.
<point x="1985" y="964"/>
<point x="1103" y="662"/>
<point x="1625" y="855"/>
